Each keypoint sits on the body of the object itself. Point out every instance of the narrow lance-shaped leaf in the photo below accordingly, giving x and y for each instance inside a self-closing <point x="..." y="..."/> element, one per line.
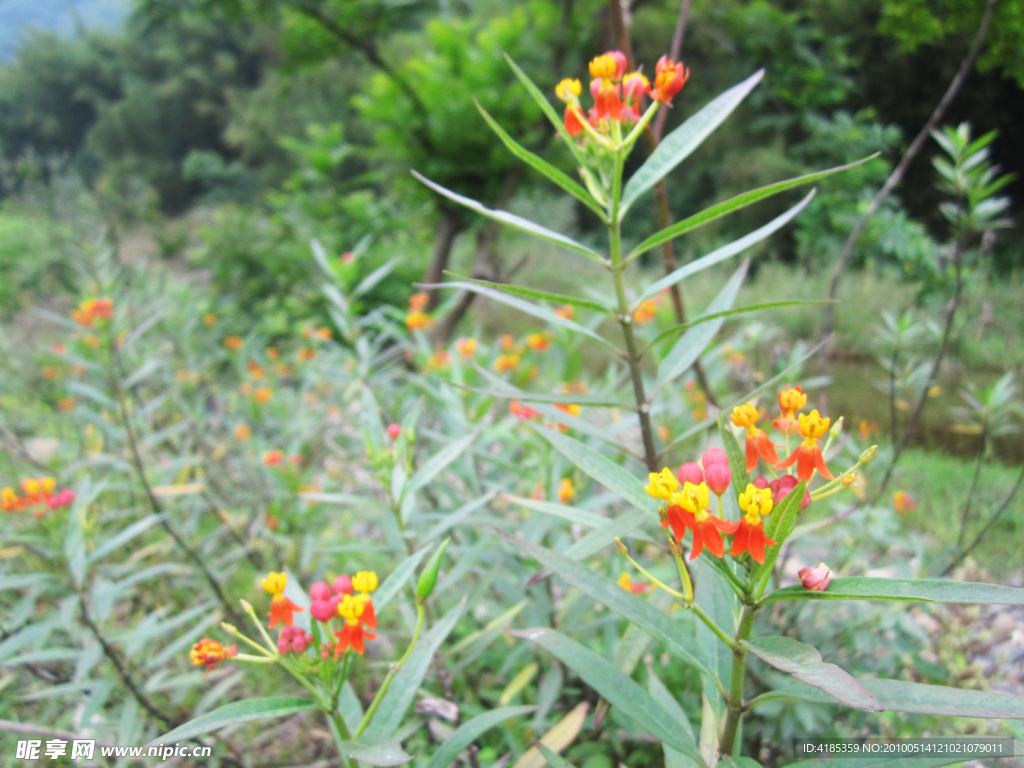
<point x="805" y="664"/>
<point x="374" y="750"/>
<point x="405" y="684"/>
<point x="904" y="696"/>
<point x="532" y="293"/>
<point x="238" y="712"/>
<point x="511" y="220"/>
<point x="542" y="313"/>
<point x="905" y="590"/>
<point x="726" y="251"/>
<point x="734" y="204"/>
<point x="547" y="109"/>
<point x="470" y="731"/>
<point x="630" y="699"/>
<point x="693" y="343"/>
<point x="681" y="143"/>
<point x="604" y="470"/>
<point x="543" y="167"/>
<point x="615" y="598"/>
<point x="732" y="313"/>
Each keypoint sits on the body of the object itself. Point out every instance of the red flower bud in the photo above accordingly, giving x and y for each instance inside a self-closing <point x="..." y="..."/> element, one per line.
<point x="323" y="610"/>
<point x="620" y="63"/>
<point x="394" y="430"/>
<point x="762" y="483"/>
<point x="343" y="585"/>
<point x="320" y="591"/>
<point x="718" y="477"/>
<point x="817" y="578"/>
<point x="690" y="472"/>
<point x="714" y="456"/>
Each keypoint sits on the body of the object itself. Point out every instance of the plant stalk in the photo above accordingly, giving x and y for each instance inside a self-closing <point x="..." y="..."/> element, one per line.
<point x="738" y="674"/>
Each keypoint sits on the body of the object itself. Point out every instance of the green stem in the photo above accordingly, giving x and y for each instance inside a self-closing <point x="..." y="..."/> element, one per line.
<point x="713" y="627"/>
<point x="392" y="672"/>
<point x="633" y="355"/>
<point x="341" y="734"/>
<point x="738" y="674"/>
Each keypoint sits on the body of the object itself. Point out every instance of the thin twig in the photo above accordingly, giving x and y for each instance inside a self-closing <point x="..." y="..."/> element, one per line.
<point x="992" y="520"/>
<point x="897" y="175"/>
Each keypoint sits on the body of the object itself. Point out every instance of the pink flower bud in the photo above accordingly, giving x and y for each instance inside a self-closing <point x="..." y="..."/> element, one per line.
<point x="817" y="578"/>
<point x="343" y="586"/>
<point x="620" y="63"/>
<point x="762" y="483"/>
<point x="595" y="87"/>
<point x="323" y="610"/>
<point x="714" y="456"/>
<point x="394" y="430"/>
<point x="718" y="477"/>
<point x="347" y="257"/>
<point x="300" y="643"/>
<point x="283" y="644"/>
<point x="320" y="591"/>
<point x="295" y="458"/>
<point x="325" y="650"/>
<point x="783" y="485"/>
<point x="690" y="472"/>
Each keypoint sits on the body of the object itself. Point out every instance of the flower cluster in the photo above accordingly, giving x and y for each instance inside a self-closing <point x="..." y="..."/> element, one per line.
<point x="91" y="310"/>
<point x="618" y="96"/>
<point x="38" y="492"/>
<point x="417" y="319"/>
<point x="347" y="598"/>
<point x="811" y="427"/>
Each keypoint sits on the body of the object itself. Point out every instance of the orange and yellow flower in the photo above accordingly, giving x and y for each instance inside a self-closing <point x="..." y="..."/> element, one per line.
<point x="646" y="312"/>
<point x="91" y="310"/>
<point x="209" y="653"/>
<point x="807" y="456"/>
<point x="233" y="342"/>
<point x="419" y="301"/>
<point x="281" y="608"/>
<point x="538" y="342"/>
<point x="755" y="503"/>
<point x="417" y="321"/>
<point x="569" y="91"/>
<point x="466" y="347"/>
<point x="790" y="401"/>
<point x="566" y="491"/>
<point x="636" y="587"/>
<point x="758" y="442"/>
<point x="506" y="362"/>
<point x="669" y="79"/>
<point x="688" y="508"/>
<point x="566" y="312"/>
<point x="352" y="635"/>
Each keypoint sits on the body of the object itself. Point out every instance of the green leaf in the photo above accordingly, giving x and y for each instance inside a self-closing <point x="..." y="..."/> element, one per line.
<point x="437" y="463"/>
<point x="122" y="538"/>
<point x="615" y="598"/>
<point x="905" y="590"/>
<point x="877" y="762"/>
<point x="544" y="167"/>
<point x="691" y="346"/>
<point x="396" y="579"/>
<point x="368" y="282"/>
<point x="734" y="204"/>
<point x="731" y="312"/>
<point x="805" y="664"/>
<point x="511" y="220"/>
<point x="541" y="313"/>
<point x="470" y="731"/>
<point x="572" y="514"/>
<point x="547" y="109"/>
<point x="510" y="392"/>
<point x="618" y="688"/>
<point x="238" y="712"/>
<point x="903" y="696"/>
<point x="738" y="762"/>
<point x="661" y="694"/>
<point x="409" y="678"/>
<point x="554" y="759"/>
<point x="737" y="458"/>
<point x="375" y="751"/>
<point x="726" y="251"/>
<point x="681" y="143"/>
<point x="603" y="470"/>
<point x="556" y="298"/>
<point x="778" y="527"/>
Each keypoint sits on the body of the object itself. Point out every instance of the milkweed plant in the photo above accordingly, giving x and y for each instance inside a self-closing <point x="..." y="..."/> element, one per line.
<point x="706" y="495"/>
